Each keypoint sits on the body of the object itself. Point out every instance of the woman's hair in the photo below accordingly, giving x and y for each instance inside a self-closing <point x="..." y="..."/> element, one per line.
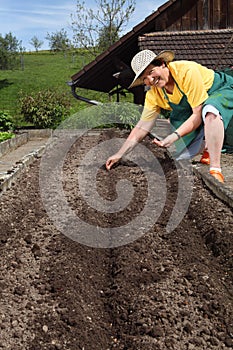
<point x="157" y="63"/>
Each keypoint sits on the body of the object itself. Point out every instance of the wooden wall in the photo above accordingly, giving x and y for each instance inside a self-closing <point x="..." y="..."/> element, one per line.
<point x="196" y="15"/>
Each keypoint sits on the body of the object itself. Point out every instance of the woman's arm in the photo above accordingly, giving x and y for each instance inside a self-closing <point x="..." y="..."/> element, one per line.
<point x="137" y="134"/>
<point x="192" y="123"/>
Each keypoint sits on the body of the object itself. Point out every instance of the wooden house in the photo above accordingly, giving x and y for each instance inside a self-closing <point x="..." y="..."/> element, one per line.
<point x="200" y="30"/>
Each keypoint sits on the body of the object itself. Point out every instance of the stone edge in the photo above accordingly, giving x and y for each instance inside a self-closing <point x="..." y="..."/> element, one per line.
<point x="9" y="178"/>
<point x="220" y="190"/>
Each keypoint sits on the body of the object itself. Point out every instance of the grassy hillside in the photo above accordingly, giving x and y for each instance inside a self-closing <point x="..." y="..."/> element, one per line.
<point x="39" y="71"/>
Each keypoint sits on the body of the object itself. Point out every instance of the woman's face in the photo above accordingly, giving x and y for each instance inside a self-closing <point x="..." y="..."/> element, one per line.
<point x="156" y="76"/>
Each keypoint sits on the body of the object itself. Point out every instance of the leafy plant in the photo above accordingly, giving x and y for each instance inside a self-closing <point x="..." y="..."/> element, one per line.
<point x="45" y="109"/>
<point x="4" y="135"/>
<point x="6" y="121"/>
<point x="122" y="115"/>
<point x="133" y="115"/>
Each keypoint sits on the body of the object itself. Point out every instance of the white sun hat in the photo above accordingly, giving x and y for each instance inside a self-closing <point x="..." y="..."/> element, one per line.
<point x="143" y="59"/>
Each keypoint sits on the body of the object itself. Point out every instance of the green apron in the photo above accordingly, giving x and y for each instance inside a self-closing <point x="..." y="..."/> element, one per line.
<point x="179" y="114"/>
<point x="221" y="97"/>
<point x="228" y="140"/>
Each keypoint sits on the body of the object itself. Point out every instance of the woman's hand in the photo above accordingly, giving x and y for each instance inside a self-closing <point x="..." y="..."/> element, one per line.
<point x="136" y="135"/>
<point x="167" y="142"/>
<point x="112" y="160"/>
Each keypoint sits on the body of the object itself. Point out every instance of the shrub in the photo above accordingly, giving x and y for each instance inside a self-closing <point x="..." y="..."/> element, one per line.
<point x="45" y="109"/>
<point x="4" y="135"/>
<point x="6" y="121"/>
<point x="122" y="115"/>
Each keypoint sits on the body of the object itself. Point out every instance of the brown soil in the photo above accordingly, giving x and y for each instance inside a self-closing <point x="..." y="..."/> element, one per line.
<point x="162" y="291"/>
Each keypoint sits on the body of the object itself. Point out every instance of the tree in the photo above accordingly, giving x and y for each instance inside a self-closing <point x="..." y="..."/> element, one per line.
<point x="96" y="30"/>
<point x="58" y="41"/>
<point x="107" y="36"/>
<point x="36" y="43"/>
<point x="9" y="51"/>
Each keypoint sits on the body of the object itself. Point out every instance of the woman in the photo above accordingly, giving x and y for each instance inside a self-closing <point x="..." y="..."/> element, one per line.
<point x="200" y="101"/>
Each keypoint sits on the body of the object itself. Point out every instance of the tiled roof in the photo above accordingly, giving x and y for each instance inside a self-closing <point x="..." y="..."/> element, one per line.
<point x="212" y="48"/>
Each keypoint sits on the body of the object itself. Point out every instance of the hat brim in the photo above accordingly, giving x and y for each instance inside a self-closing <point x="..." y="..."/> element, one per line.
<point x="166" y="55"/>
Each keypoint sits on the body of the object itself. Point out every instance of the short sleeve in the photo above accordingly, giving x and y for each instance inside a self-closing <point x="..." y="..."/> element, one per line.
<point x="151" y="110"/>
<point x="194" y="88"/>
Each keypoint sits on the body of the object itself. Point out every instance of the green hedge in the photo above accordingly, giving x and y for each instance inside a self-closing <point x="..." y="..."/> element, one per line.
<point x="45" y="109"/>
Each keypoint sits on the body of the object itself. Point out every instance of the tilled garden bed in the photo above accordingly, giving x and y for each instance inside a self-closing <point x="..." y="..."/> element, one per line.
<point x="161" y="291"/>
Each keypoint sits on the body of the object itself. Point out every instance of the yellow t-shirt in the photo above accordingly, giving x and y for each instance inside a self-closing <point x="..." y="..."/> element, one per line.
<point x="192" y="78"/>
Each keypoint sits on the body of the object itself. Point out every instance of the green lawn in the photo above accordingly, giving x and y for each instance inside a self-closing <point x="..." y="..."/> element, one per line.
<point x="39" y="71"/>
